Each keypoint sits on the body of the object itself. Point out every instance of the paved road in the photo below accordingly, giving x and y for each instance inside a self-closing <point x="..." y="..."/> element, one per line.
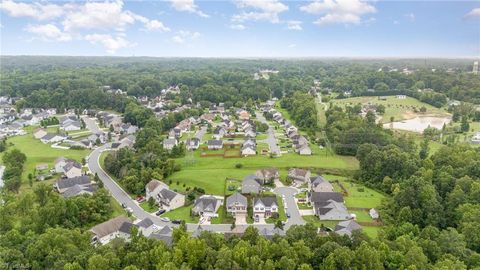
<point x="290" y="206"/>
<point x="271" y="140"/>
<point x="124" y="199"/>
<point x="91" y="124"/>
<point x="201" y="132"/>
<point x="116" y="191"/>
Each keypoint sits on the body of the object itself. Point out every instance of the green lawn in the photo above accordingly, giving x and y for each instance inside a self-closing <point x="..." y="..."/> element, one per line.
<point x="362" y="216"/>
<point x="223" y="217"/>
<point x="400" y="109"/>
<point x="146" y="206"/>
<point x="117" y="208"/>
<point x="37" y="152"/>
<point x="281" y="212"/>
<point x="368" y="198"/>
<point x="182" y="213"/>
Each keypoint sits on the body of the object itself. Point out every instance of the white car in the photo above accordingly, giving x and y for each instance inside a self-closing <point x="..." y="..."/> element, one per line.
<point x="165" y="219"/>
<point x="129" y="210"/>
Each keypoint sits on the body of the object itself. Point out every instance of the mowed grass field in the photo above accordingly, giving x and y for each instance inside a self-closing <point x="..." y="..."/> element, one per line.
<point x="210" y="172"/>
<point x="38" y="152"/>
<point x="400" y="109"/>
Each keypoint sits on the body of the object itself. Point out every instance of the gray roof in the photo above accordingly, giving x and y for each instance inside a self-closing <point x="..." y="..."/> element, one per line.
<point x="250" y="184"/>
<point x="167" y="194"/>
<point x="110" y="226"/>
<point x="268" y="201"/>
<point x="236" y="198"/>
<point x="49" y="136"/>
<point x="164" y="235"/>
<point x="205" y="204"/>
<point x="70" y="182"/>
<point x="71" y="164"/>
<point x="78" y="189"/>
<point x="347" y="227"/>
<point x="215" y="142"/>
<point x="125" y="227"/>
<point x="145" y="223"/>
<point x="193" y="141"/>
<point x="269" y="233"/>
<point x="325" y="196"/>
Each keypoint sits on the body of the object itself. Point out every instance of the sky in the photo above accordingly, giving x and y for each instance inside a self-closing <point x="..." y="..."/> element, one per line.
<point x="241" y="28"/>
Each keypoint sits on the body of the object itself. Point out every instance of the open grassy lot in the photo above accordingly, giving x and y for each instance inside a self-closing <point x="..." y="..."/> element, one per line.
<point x="38" y="152"/>
<point x="182" y="213"/>
<point x="210" y="172"/>
<point x="358" y="194"/>
<point x="400" y="109"/>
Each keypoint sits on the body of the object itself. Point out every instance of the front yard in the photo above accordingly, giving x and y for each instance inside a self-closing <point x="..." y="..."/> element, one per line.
<point x="182" y="213"/>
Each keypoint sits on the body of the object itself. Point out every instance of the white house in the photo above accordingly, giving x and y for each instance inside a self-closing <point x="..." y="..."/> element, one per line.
<point x="39" y="133"/>
<point x="167" y="199"/>
<point x="264" y="207"/>
<point x="52" y="138"/>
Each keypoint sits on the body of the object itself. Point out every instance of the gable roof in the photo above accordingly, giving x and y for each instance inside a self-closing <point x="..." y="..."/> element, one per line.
<point x="326" y="196"/>
<point x="268" y="201"/>
<point x="207" y="203"/>
<point x="152" y="185"/>
<point x="110" y="226"/>
<point x="347" y="227"/>
<point x="215" y="142"/>
<point x="145" y="223"/>
<point x="167" y="194"/>
<point x="236" y="197"/>
<point x="77" y="189"/>
<point x="70" y="182"/>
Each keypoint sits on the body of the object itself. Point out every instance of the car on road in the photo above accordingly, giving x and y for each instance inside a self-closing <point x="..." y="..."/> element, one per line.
<point x="161" y="211"/>
<point x="129" y="210"/>
<point x="124" y="205"/>
<point x="165" y="219"/>
<point x="288" y="215"/>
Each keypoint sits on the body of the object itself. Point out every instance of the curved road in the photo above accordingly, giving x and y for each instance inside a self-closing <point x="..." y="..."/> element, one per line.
<point x="122" y="197"/>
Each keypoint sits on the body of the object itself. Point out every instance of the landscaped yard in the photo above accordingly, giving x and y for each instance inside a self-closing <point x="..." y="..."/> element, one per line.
<point x="371" y="231"/>
<point x="38" y="152"/>
<point x="223" y="217"/>
<point x="182" y="213"/>
<point x="146" y="206"/>
<point x="281" y="212"/>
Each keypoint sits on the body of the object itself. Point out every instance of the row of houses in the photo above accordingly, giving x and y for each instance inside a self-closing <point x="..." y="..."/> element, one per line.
<point x="73" y="181"/>
<point x="262" y="207"/>
<point x="299" y="142"/>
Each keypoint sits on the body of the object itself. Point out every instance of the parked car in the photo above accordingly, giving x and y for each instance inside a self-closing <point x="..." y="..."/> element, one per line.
<point x="129" y="210"/>
<point x="161" y="211"/>
<point x="124" y="206"/>
<point x="165" y="219"/>
<point x="177" y="221"/>
<point x="140" y="199"/>
<point x="288" y="215"/>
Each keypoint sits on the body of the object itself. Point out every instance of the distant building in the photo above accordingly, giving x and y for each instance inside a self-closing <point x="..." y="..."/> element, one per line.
<point x="475" y="67"/>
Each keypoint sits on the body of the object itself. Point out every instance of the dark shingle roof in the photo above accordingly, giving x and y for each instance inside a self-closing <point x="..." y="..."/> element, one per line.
<point x="145" y="223"/>
<point x="325" y="196"/>
<point x="267" y="201"/>
<point x="70" y="182"/>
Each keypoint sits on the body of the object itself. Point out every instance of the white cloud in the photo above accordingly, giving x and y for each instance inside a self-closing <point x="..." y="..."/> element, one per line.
<point x="109" y="42"/>
<point x="188" y="6"/>
<point x="410" y="17"/>
<point x="266" y="10"/>
<point x="294" y="25"/>
<point x="155" y="25"/>
<point x="474" y="13"/>
<point x="238" y="26"/>
<point x="338" y="11"/>
<point x="34" y="10"/>
<point x="48" y="32"/>
<point x="183" y="37"/>
<point x="292" y="45"/>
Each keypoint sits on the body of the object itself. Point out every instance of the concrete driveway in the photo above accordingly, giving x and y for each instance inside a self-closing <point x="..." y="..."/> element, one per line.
<point x="91" y="124"/>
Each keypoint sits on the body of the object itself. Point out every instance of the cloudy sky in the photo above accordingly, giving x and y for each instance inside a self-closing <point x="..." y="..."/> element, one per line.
<point x="241" y="28"/>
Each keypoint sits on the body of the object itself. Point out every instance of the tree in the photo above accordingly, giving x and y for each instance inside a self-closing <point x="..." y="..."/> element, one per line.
<point x="465" y="126"/>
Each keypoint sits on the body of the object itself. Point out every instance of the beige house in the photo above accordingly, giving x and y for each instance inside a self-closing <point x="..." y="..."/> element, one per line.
<point x="105" y="232"/>
<point x="39" y="133"/>
<point x="167" y="199"/>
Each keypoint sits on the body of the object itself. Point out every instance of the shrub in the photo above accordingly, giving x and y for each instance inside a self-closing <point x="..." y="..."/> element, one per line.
<point x="238" y="165"/>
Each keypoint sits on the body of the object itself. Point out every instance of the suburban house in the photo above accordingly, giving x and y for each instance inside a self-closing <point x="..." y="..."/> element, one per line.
<point x="264" y="207"/>
<point x="251" y="185"/>
<point x="164" y="235"/>
<point x="347" y="227"/>
<point x="65" y="184"/>
<point x="169" y="143"/>
<point x="267" y="175"/>
<point x="71" y="126"/>
<point x="207" y="206"/>
<point x="270" y="233"/>
<point x="299" y="175"/>
<point x="248" y="150"/>
<point x="319" y="184"/>
<point x="328" y="205"/>
<point x="52" y="138"/>
<point x="79" y="190"/>
<point x="304" y="150"/>
<point x="153" y="187"/>
<point x="72" y="169"/>
<point x="118" y="227"/>
<point x="219" y="132"/>
<point x="237" y="205"/>
<point x="373" y="213"/>
<point x="69" y="167"/>
<point x="192" y="144"/>
<point x="128" y="128"/>
<point x="169" y="200"/>
<point x="146" y="226"/>
<point x="214" y="144"/>
<point x="39" y="133"/>
<point x="476" y="138"/>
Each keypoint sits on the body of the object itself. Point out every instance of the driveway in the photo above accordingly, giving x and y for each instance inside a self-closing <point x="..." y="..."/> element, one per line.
<point x="201" y="132"/>
<point x="290" y="206"/>
<point x="91" y="124"/>
<point x="270" y="140"/>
